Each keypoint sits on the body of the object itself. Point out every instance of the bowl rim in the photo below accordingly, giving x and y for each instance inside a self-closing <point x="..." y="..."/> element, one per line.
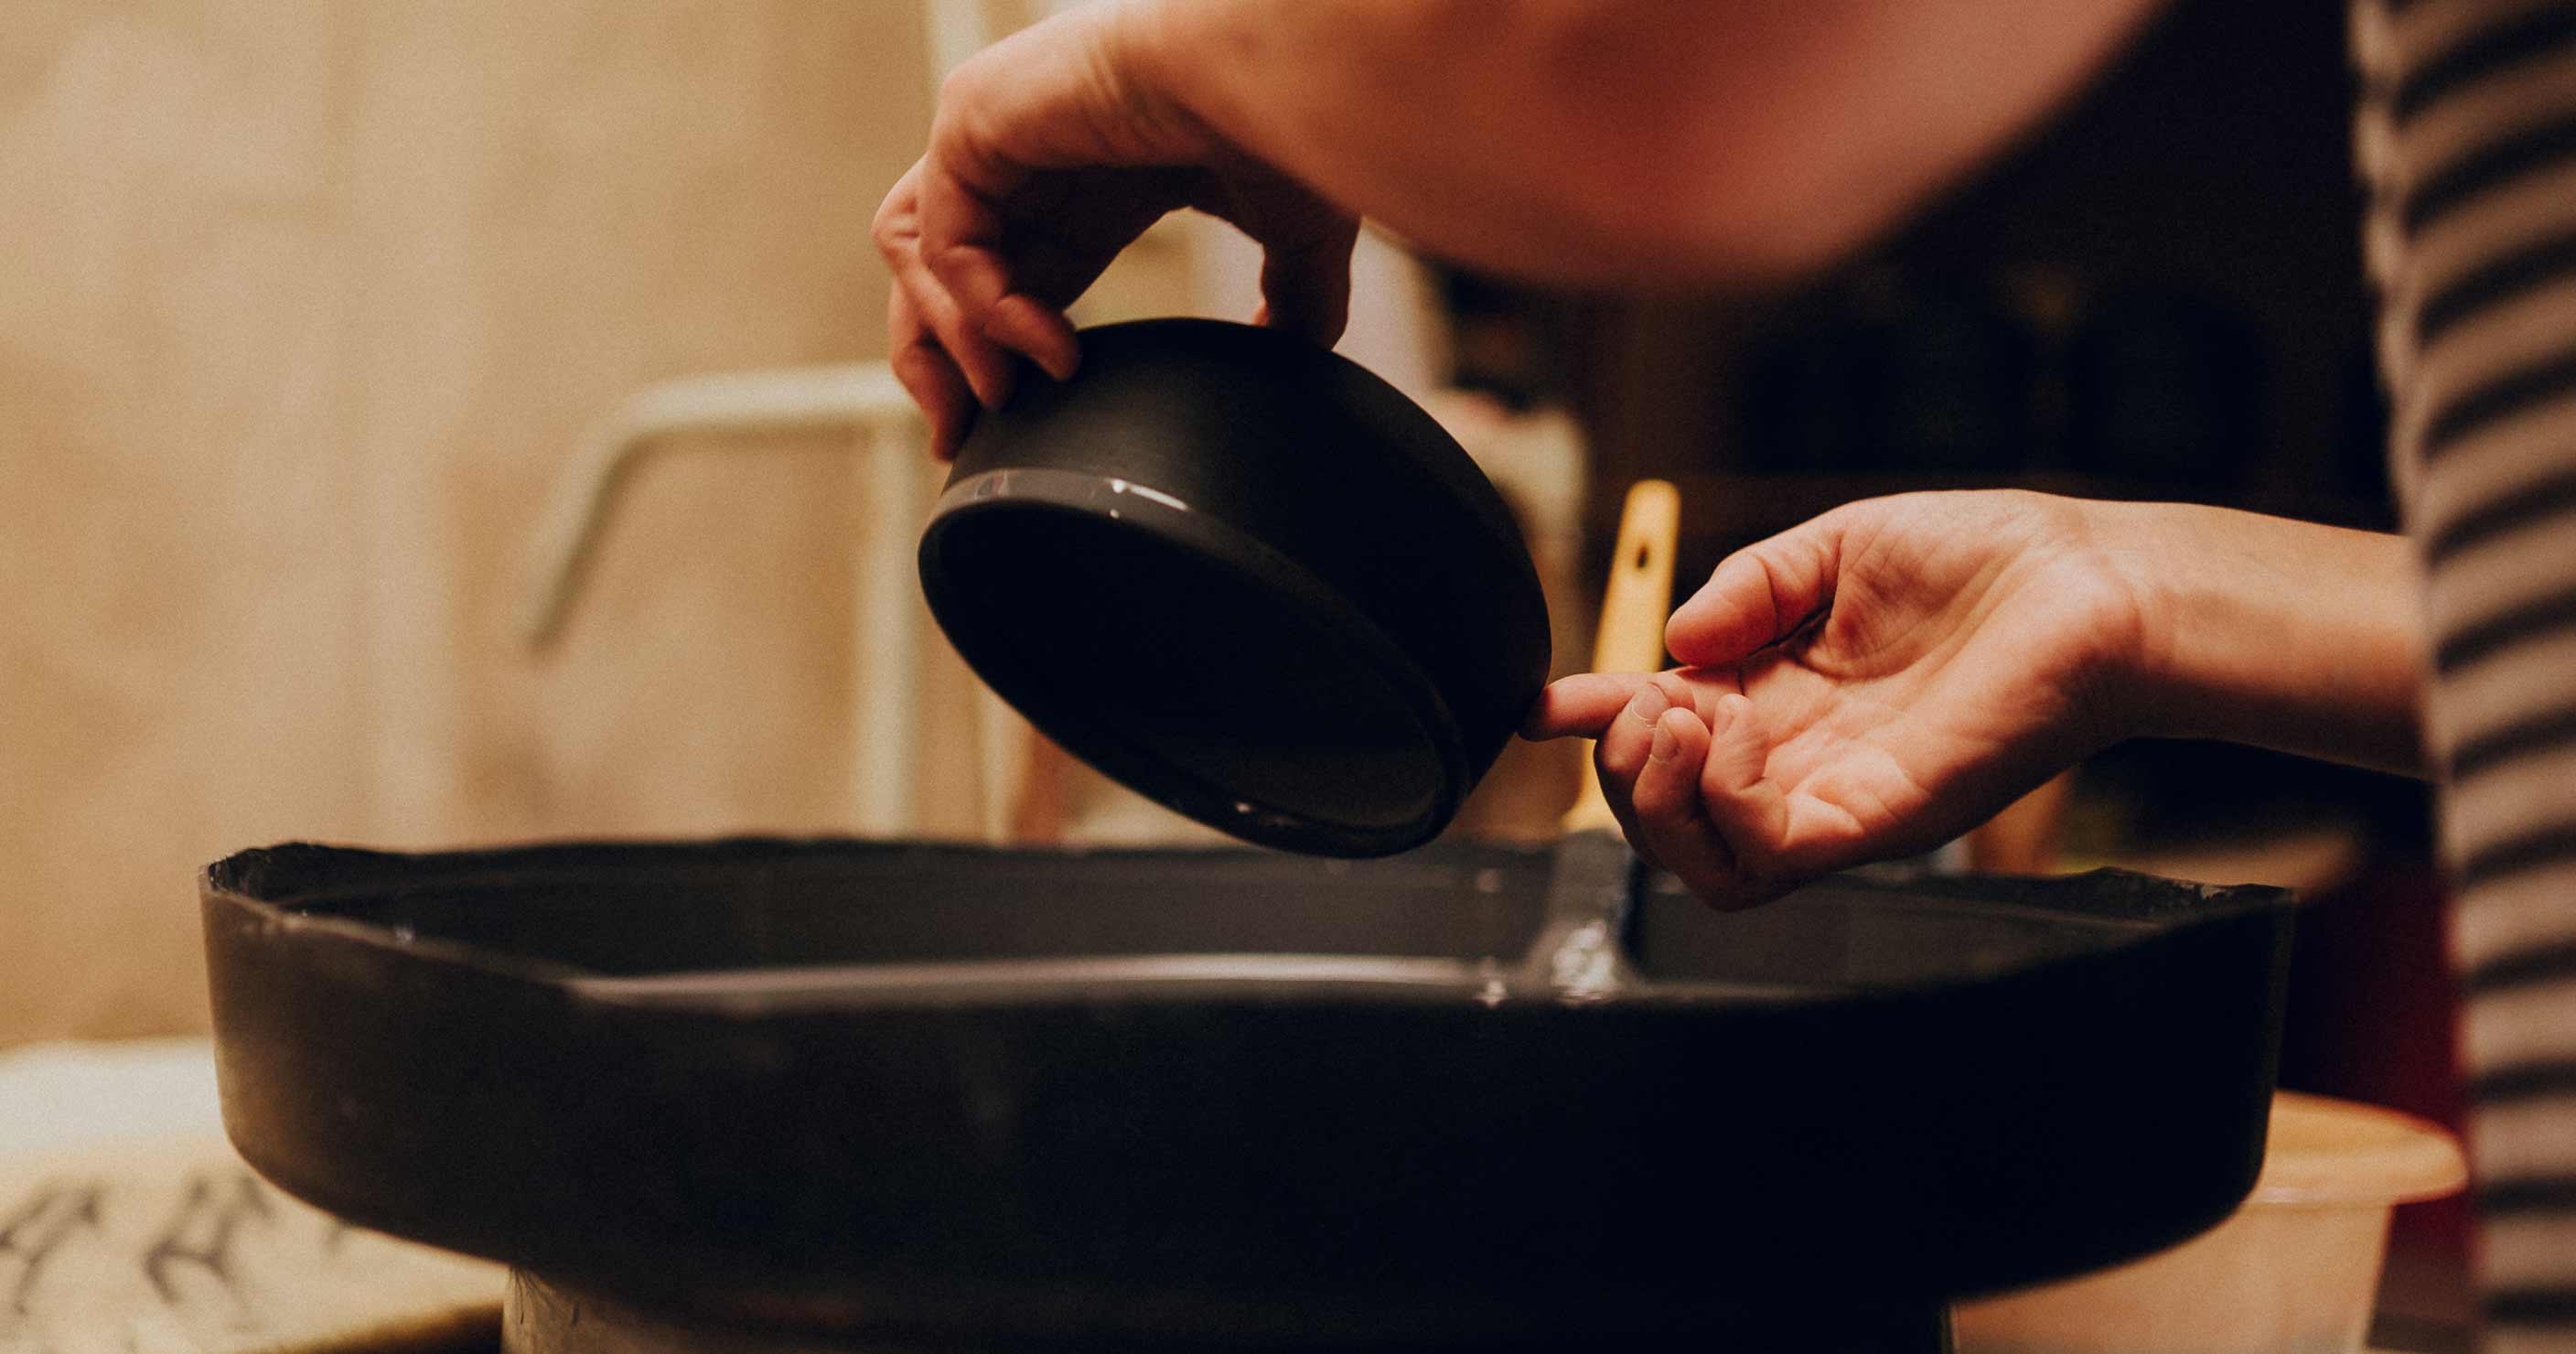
<point x="2377" y="1158"/>
<point x="1221" y="545"/>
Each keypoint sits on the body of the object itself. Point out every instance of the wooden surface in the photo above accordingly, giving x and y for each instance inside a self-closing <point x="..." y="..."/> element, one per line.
<point x="305" y="303"/>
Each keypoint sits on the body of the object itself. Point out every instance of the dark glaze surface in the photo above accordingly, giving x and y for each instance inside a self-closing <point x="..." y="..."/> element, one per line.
<point x="1896" y="1092"/>
<point x="1197" y="672"/>
<point x="637" y="910"/>
<point x="1269" y="532"/>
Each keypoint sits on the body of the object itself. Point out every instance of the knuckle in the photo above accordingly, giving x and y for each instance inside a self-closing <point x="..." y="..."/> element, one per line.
<point x="915" y="366"/>
<point x="951" y="262"/>
<point x="963" y="86"/>
<point x="898" y="215"/>
<point x="1677" y="692"/>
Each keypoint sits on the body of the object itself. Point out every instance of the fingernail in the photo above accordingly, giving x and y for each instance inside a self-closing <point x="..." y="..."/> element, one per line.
<point x="1664" y="746"/>
<point x="1648" y="704"/>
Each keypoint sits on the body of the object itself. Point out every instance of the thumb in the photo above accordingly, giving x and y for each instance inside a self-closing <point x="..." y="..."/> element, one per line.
<point x="1758" y="595"/>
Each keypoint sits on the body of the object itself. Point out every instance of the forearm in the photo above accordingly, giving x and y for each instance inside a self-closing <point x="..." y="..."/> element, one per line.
<point x="2271" y="632"/>
<point x="1623" y="140"/>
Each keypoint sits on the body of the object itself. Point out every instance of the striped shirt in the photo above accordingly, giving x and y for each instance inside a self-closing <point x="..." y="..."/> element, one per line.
<point x="2467" y="140"/>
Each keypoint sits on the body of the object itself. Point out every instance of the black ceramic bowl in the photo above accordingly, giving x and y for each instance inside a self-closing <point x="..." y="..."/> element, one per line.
<point x="1246" y="578"/>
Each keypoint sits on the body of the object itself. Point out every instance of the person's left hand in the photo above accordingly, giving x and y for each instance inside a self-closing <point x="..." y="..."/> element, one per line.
<point x="1872" y="683"/>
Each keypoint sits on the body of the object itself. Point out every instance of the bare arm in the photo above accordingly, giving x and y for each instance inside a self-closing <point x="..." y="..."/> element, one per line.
<point x="1628" y="141"/>
<point x="1888" y="675"/>
<point x="2276" y="633"/>
<point x="1570" y="141"/>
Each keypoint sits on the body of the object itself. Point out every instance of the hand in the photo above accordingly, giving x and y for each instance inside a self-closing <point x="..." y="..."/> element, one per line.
<point x="1870" y="684"/>
<point x="1050" y="153"/>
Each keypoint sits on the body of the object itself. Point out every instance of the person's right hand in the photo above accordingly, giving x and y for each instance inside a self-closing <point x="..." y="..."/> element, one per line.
<point x="1869" y="684"/>
<point x="1051" y="152"/>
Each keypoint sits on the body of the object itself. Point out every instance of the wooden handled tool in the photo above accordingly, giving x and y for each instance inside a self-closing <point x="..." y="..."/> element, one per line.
<point x="1578" y="955"/>
<point x="1634" y="608"/>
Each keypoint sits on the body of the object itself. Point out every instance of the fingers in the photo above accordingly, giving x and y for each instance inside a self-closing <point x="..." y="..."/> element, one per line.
<point x="927" y="375"/>
<point x="1626" y="757"/>
<point x="1306" y="288"/>
<point x="1028" y="325"/>
<point x="1686" y="772"/>
<point x="1621" y="754"/>
<point x="965" y="250"/>
<point x="1672" y="827"/>
<point x="1048" y="153"/>
<point x="907" y="237"/>
<point x="1581" y="706"/>
<point x="1758" y="595"/>
<point x="1747" y="809"/>
<point x="1306" y="243"/>
<point x="944" y="351"/>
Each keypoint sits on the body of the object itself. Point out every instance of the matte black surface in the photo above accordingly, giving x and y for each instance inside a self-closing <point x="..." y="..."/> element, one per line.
<point x="964" y="1094"/>
<point x="1247" y="578"/>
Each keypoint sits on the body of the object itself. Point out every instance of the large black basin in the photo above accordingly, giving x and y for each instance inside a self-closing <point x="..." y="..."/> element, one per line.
<point x="952" y="1095"/>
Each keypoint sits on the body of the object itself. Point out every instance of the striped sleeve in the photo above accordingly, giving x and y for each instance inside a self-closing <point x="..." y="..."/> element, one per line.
<point x="2467" y="141"/>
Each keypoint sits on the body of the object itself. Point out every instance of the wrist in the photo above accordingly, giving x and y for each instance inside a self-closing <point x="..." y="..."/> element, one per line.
<point x="2145" y="683"/>
<point x="2267" y="631"/>
<point x="1154" y="50"/>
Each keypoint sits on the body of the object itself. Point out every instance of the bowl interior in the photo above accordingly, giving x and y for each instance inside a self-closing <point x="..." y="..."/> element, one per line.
<point x="636" y="910"/>
<point x="1234" y="699"/>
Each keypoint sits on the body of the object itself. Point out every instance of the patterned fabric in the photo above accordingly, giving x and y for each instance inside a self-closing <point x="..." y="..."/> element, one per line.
<point x="2467" y="139"/>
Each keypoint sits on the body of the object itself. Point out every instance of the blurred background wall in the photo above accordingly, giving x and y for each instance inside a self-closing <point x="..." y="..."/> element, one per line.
<point x="303" y="304"/>
<point x="308" y="306"/>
